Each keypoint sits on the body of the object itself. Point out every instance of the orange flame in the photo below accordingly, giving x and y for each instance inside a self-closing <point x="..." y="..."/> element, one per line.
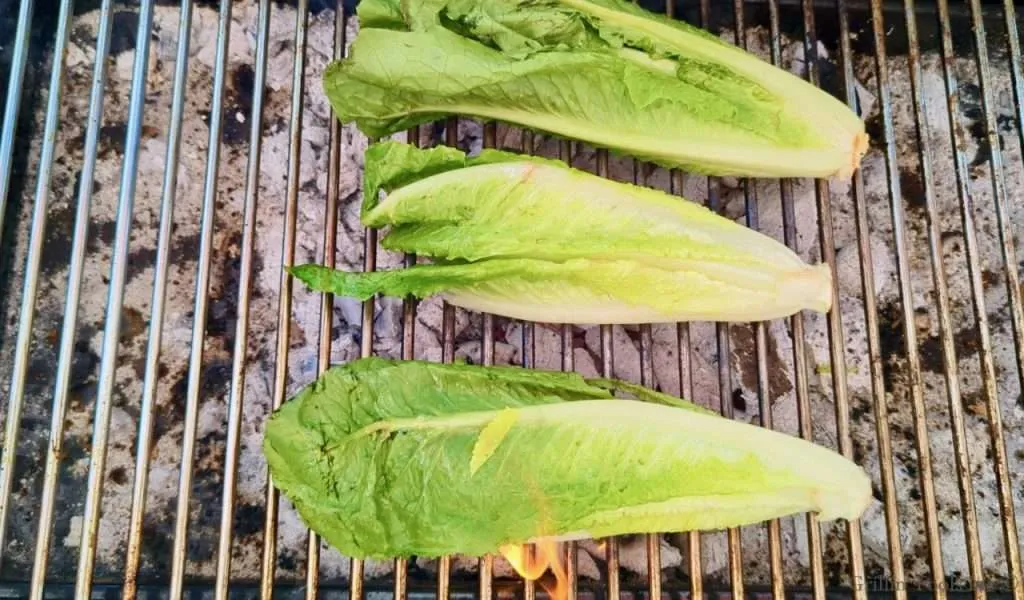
<point x="532" y="565"/>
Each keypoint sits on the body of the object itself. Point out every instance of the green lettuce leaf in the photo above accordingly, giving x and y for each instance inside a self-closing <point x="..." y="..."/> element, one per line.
<point x="601" y="71"/>
<point x="386" y="14"/>
<point x="385" y="458"/>
<point x="534" y="239"/>
<point x="391" y="165"/>
<point x="580" y="291"/>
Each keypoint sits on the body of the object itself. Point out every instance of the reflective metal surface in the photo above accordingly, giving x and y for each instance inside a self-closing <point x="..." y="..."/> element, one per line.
<point x="870" y="53"/>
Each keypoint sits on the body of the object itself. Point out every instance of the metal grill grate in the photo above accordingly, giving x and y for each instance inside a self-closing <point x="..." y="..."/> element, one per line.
<point x="147" y="221"/>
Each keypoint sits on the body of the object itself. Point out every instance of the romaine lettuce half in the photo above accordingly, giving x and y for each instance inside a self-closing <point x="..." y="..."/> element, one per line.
<point x="399" y="458"/>
<point x="533" y="239"/>
<point x="602" y="71"/>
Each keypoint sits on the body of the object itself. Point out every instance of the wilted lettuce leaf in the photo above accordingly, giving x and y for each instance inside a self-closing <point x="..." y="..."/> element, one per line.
<point x="602" y="71"/>
<point x="534" y="239"/>
<point x="386" y="458"/>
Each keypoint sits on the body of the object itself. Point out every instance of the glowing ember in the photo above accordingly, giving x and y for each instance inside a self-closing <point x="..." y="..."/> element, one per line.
<point x="532" y="565"/>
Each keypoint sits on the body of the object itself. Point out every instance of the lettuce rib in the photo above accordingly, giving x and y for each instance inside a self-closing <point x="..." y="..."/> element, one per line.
<point x="601" y="71"/>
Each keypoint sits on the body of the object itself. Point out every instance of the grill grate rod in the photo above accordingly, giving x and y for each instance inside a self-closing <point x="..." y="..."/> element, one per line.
<point x="653" y="540"/>
<point x="686" y="377"/>
<point x="486" y="572"/>
<point x="252" y="186"/>
<point x="14" y="90"/>
<point x="444" y="565"/>
<point x="686" y="391"/>
<point x="909" y="327"/>
<point x="834" y="319"/>
<point x="245" y="276"/>
<point x="568" y="364"/>
<point x="880" y="401"/>
<point x="1013" y="42"/>
<point x="761" y="348"/>
<point x="32" y="264"/>
<point x="995" y="420"/>
<point x="284" y="316"/>
<point x="950" y="365"/>
<point x="202" y="284"/>
<point x="408" y="353"/>
<point x="151" y="375"/>
<point x="966" y="201"/>
<point x="1017" y="82"/>
<point x="800" y="369"/>
<point x="607" y="370"/>
<point x="115" y="302"/>
<point x="529" y="357"/>
<point x="324" y="351"/>
<point x="68" y="328"/>
<point x="724" y="368"/>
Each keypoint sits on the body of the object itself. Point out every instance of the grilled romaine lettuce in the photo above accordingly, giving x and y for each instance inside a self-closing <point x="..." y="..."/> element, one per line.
<point x="533" y="239"/>
<point x="602" y="71"/>
<point x="399" y="458"/>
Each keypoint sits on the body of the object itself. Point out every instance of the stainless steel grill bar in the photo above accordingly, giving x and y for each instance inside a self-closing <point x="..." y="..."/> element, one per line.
<point x="966" y="199"/>
<point x="15" y="83"/>
<point x="237" y="394"/>
<point x="408" y="353"/>
<point x="647" y="379"/>
<point x="1017" y="82"/>
<point x="568" y="364"/>
<point x="487" y="358"/>
<point x="326" y="326"/>
<point x="115" y="302"/>
<point x="528" y="361"/>
<point x="906" y="294"/>
<point x="1006" y="242"/>
<point x="800" y="369"/>
<point x="653" y="540"/>
<point x="202" y="284"/>
<point x="268" y="564"/>
<point x="607" y="370"/>
<point x="910" y="333"/>
<point x="938" y="274"/>
<point x="726" y="408"/>
<point x="444" y="564"/>
<point x="1016" y="76"/>
<point x="724" y="368"/>
<point x="803" y="402"/>
<point x="761" y="346"/>
<point x="800" y="383"/>
<point x="880" y="402"/>
<point x="239" y="352"/>
<point x="151" y="375"/>
<point x="68" y="327"/>
<point x="23" y="341"/>
<point x="693" y="549"/>
<point x="835" y="327"/>
<point x="357" y="565"/>
<point x="696" y="570"/>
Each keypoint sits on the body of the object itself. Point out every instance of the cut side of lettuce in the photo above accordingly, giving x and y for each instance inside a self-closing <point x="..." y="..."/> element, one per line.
<point x="601" y="71"/>
<point x="533" y="239"/>
<point x="405" y="458"/>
